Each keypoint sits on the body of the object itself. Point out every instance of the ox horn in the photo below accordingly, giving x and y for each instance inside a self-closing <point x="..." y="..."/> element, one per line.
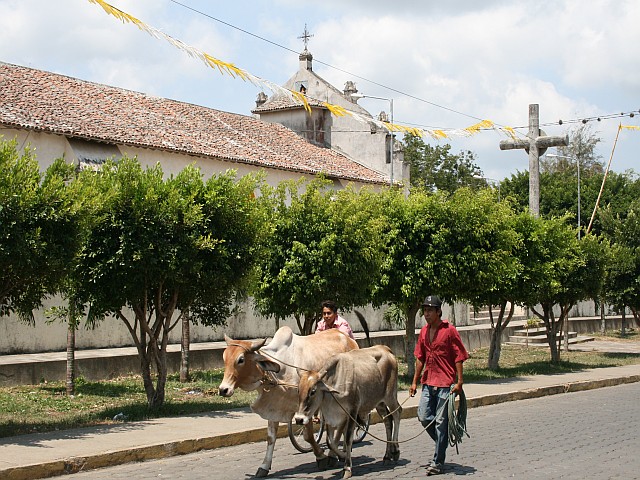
<point x="257" y="344"/>
<point x="253" y="346"/>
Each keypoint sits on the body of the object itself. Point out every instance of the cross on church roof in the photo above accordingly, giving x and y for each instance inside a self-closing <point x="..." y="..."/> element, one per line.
<point x="305" y="36"/>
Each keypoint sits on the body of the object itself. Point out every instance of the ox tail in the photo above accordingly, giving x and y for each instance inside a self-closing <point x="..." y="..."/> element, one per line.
<point x="365" y="326"/>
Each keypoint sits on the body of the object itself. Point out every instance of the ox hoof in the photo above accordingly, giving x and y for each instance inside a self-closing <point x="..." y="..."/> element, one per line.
<point x="391" y="458"/>
<point x="346" y="474"/>
<point x="261" y="473"/>
<point x="323" y="463"/>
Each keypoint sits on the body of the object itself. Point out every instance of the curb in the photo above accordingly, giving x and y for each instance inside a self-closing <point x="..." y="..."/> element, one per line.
<point x="163" y="450"/>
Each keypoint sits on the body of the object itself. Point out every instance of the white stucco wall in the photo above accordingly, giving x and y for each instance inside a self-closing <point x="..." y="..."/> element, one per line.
<point x="48" y="147"/>
<point x="16" y="337"/>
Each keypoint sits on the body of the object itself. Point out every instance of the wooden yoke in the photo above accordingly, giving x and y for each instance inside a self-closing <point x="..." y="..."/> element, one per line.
<point x="535" y="145"/>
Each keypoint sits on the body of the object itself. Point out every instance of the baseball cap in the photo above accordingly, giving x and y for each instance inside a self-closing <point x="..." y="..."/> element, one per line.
<point x="432" y="301"/>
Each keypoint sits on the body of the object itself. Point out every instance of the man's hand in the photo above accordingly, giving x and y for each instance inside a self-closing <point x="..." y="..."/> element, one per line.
<point x="457" y="388"/>
<point x="412" y="389"/>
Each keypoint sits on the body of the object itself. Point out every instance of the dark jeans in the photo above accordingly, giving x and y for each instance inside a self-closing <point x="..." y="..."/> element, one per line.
<point x="433" y="402"/>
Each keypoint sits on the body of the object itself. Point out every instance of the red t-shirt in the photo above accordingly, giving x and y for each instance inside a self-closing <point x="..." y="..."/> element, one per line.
<point x="441" y="356"/>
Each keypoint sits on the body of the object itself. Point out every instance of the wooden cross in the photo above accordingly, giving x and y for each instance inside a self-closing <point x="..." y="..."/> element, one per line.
<point x="535" y="145"/>
<point x="305" y="36"/>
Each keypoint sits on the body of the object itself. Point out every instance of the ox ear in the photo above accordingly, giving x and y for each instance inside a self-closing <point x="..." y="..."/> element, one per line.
<point x="267" y="365"/>
<point x="227" y="339"/>
<point x="328" y="373"/>
<point x="321" y="385"/>
<point x="329" y="368"/>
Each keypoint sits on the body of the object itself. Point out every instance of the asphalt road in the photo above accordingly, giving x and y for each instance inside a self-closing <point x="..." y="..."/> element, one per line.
<point x="591" y="434"/>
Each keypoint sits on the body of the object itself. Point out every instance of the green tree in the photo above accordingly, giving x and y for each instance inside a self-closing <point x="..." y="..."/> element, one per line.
<point x="559" y="194"/>
<point x="507" y="290"/>
<point x="622" y="284"/>
<point x="38" y="231"/>
<point x="582" y="147"/>
<point x="436" y="168"/>
<point x="560" y="271"/>
<point x="161" y="248"/>
<point x="455" y="246"/>
<point x="72" y="313"/>
<point x="324" y="244"/>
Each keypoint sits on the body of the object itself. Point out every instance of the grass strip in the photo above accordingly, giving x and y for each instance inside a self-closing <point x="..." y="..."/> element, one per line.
<point x="46" y="407"/>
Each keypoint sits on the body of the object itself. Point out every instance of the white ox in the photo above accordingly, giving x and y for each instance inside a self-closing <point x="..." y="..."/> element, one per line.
<point x="345" y="390"/>
<point x="271" y="370"/>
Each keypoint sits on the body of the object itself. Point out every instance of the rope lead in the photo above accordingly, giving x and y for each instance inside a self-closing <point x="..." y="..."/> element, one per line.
<point x="457" y="419"/>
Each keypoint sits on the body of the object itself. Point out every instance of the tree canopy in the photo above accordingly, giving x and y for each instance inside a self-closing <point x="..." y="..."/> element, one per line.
<point x="559" y="270"/>
<point x="436" y="168"/>
<point x="454" y="246"/>
<point x="38" y="230"/>
<point x="622" y="284"/>
<point x="161" y="248"/>
<point x="324" y="244"/>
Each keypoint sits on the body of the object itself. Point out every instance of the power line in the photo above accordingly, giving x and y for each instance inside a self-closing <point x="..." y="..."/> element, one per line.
<point x="373" y="82"/>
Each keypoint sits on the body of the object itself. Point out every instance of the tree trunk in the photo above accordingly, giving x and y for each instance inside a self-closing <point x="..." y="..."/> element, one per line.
<point x="300" y="326"/>
<point x="154" y="360"/>
<point x="185" y="347"/>
<point x="161" y="381"/>
<point x="622" y="328"/>
<point x="551" y="328"/>
<point x="495" y="346"/>
<point x="151" y="341"/>
<point x="410" y="338"/>
<point x="553" y="346"/>
<point x="309" y="321"/>
<point x="552" y="333"/>
<point x="564" y="327"/>
<point x="71" y="352"/>
<point x="602" y="318"/>
<point x="147" y="380"/>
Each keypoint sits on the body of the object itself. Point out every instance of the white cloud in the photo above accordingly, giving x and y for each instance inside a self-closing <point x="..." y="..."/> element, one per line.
<point x="487" y="59"/>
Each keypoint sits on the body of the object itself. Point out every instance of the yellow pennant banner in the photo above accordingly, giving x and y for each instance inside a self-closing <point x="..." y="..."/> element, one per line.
<point x="222" y="66"/>
<point x="336" y="110"/>
<point x="630" y="127"/>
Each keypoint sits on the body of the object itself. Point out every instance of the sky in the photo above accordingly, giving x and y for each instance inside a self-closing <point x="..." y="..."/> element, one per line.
<point x="446" y="64"/>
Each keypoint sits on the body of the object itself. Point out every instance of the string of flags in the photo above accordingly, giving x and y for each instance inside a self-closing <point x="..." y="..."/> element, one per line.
<point x="227" y="68"/>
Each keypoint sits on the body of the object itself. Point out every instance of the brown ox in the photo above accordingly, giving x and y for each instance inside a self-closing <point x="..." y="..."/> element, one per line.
<point x="271" y="370"/>
<point x="347" y="388"/>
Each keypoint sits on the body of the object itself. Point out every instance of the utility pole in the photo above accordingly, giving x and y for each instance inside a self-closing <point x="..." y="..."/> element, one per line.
<point x="535" y="145"/>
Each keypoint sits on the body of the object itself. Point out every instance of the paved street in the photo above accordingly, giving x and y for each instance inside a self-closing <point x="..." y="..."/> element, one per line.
<point x="591" y="434"/>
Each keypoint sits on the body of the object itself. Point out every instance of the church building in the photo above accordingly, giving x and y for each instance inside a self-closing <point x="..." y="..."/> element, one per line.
<point x="363" y="142"/>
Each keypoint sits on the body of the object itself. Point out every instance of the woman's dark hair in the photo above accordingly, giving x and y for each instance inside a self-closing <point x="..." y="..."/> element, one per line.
<point x="331" y="305"/>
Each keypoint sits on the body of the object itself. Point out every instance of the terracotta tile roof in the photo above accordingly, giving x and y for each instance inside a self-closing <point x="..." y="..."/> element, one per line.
<point x="280" y="102"/>
<point x="44" y="101"/>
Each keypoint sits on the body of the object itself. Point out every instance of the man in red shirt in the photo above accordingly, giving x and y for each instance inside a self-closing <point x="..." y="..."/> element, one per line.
<point x="440" y="352"/>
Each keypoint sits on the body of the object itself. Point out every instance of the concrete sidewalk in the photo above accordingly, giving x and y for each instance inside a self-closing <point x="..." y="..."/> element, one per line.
<point x="70" y="451"/>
